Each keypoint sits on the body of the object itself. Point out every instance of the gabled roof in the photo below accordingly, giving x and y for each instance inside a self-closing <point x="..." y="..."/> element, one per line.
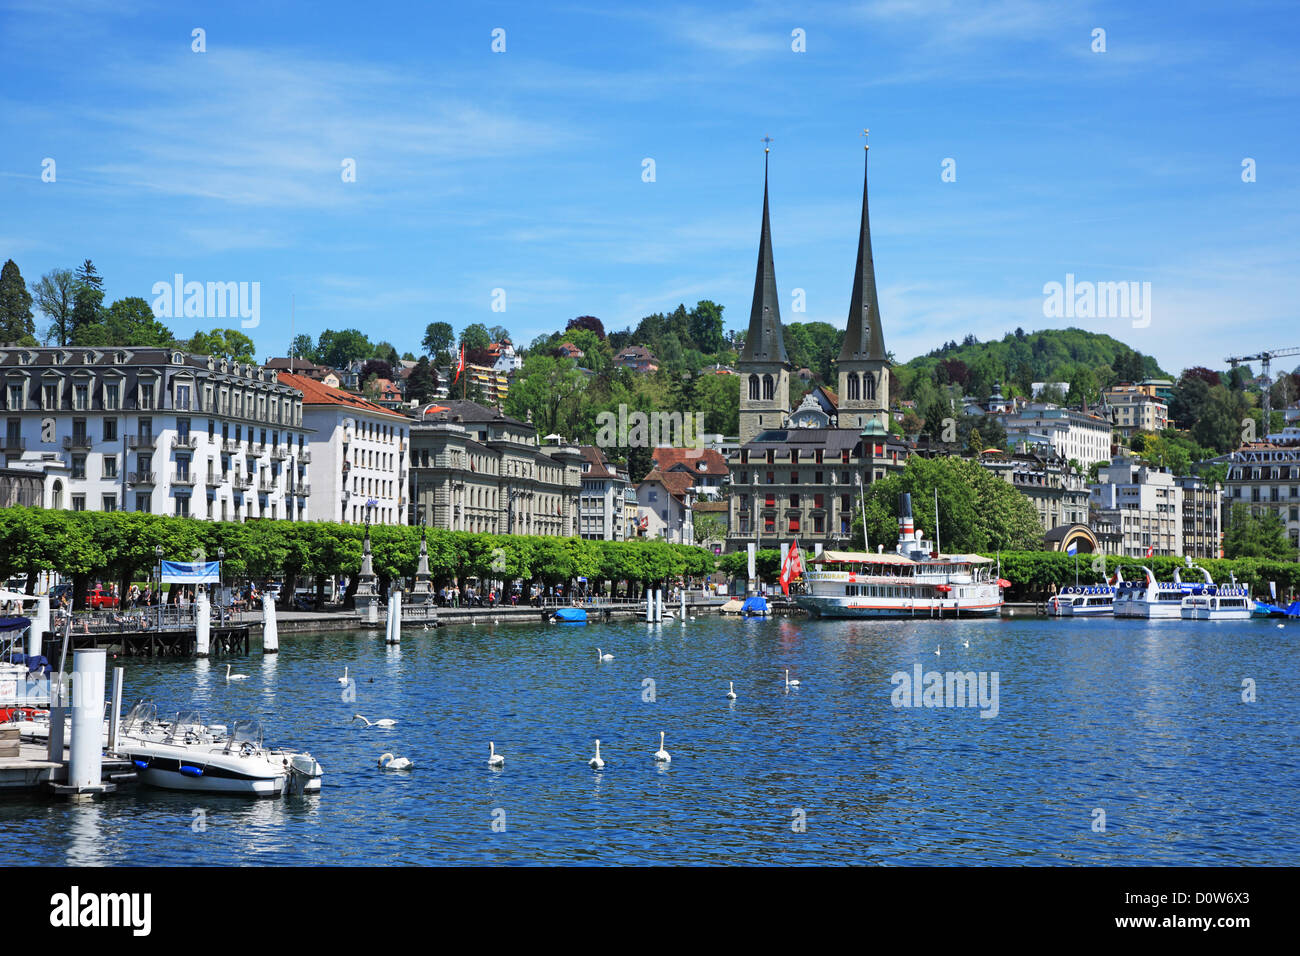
<point x="599" y="464"/>
<point x="675" y="483"/>
<point x="317" y="393"/>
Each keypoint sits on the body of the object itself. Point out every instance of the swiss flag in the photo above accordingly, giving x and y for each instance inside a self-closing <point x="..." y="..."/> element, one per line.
<point x="1150" y="552"/>
<point x="461" y="367"/>
<point x="791" y="567"/>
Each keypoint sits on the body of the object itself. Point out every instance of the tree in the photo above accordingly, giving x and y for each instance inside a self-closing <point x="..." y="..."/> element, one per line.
<point x="54" y="296"/>
<point x="705" y="327"/>
<point x="16" y="321"/>
<point x="475" y="336"/>
<point x="499" y="333"/>
<point x="130" y="321"/>
<point x="303" y="347"/>
<point x="589" y="322"/>
<point x="87" y="298"/>
<point x="1260" y="535"/>
<point x="339" y="349"/>
<point x="422" y="384"/>
<point x="378" y="368"/>
<point x="1083" y="387"/>
<point x="223" y="343"/>
<point x="437" y="341"/>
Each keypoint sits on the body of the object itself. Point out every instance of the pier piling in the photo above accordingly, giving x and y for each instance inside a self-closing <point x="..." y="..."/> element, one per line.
<point x="202" y="626"/>
<point x="270" y="633"/>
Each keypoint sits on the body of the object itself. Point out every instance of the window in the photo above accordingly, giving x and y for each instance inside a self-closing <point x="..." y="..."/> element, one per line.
<point x="110" y="503"/>
<point x="146" y="395"/>
<point x="794" y="501"/>
<point x="110" y="429"/>
<point x="79" y="470"/>
<point x="78" y="502"/>
<point x="81" y="397"/>
<point x="51" y="396"/>
<point x="110" y="466"/>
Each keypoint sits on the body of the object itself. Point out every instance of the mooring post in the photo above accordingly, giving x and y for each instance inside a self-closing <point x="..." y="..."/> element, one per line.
<point x="40" y="624"/>
<point x="270" y="635"/>
<point x="202" y="626"/>
<point x="115" y="715"/>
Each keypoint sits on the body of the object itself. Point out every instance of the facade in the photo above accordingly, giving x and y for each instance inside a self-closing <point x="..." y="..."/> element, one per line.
<point x="1081" y="436"/>
<point x="358" y="456"/>
<point x="664" y="502"/>
<point x="718" y="511"/>
<point x="1265" y="476"/>
<point x="154" y="430"/>
<point x="1133" y="410"/>
<point x="602" y="506"/>
<point x="476" y="469"/>
<point x="21" y="487"/>
<point x="706" y="467"/>
<point x="1144" y="504"/>
<point x="1202" y="517"/>
<point x="300" y="366"/>
<point x="1058" y="493"/>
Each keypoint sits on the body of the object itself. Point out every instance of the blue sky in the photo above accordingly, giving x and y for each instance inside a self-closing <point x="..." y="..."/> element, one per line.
<point x="522" y="170"/>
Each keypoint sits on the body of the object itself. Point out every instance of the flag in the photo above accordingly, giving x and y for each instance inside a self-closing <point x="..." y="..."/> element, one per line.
<point x="1150" y="552"/>
<point x="1073" y="549"/>
<point x="460" y="367"/>
<point x="791" y="567"/>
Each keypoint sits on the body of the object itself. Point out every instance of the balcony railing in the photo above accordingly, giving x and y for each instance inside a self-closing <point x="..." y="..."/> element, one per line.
<point x="279" y="453"/>
<point x="257" y="450"/>
<point x="304" y="456"/>
<point x="230" y="444"/>
<point x="190" y="441"/>
<point x="77" y="441"/>
<point x="303" y="489"/>
<point x="266" y="484"/>
<point x="217" y="480"/>
<point x="141" y="441"/>
<point x="183" y="478"/>
<point x="244" y="481"/>
<point x="140" y="478"/>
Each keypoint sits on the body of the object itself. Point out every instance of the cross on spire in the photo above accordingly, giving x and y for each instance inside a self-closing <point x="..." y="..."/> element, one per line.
<point x="864" y="139"/>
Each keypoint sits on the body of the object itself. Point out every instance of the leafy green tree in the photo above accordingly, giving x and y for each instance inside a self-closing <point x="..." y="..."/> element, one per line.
<point x="87" y="298"/>
<point x="128" y="321"/>
<point x="16" y="321"/>
<point x="223" y="343"/>
<point x="437" y="341"/>
<point x="54" y="296"/>
<point x="1261" y="535"/>
<point x="303" y="347"/>
<point x="338" y="348"/>
<point x="705" y="327"/>
<point x="475" y="336"/>
<point x="422" y="383"/>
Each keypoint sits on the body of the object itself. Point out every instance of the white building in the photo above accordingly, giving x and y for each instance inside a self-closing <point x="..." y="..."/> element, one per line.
<point x="154" y="430"/>
<point x="358" y="457"/>
<point x="1145" y="505"/>
<point x="602" y="506"/>
<point x="664" y="502"/>
<point x="1081" y="436"/>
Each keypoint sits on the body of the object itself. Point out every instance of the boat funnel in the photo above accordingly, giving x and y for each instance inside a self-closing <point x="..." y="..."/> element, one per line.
<point x="905" y="527"/>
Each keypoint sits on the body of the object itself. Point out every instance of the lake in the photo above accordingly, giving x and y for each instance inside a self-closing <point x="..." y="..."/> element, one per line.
<point x="1106" y="742"/>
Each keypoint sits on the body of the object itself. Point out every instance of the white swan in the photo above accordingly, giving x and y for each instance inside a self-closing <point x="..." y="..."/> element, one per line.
<point x="394" y="763"/>
<point x="595" y="763"/>
<point x="230" y="676"/>
<point x="662" y="755"/>
<point x="494" y="758"/>
<point x="788" y="681"/>
<point x="385" y="722"/>
<point x="731" y="690"/>
<point x="603" y="657"/>
<point x="936" y="652"/>
<point x="344" y="678"/>
<point x="966" y="643"/>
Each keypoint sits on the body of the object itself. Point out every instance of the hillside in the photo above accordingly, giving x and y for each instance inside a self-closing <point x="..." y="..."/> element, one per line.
<point x="1019" y="358"/>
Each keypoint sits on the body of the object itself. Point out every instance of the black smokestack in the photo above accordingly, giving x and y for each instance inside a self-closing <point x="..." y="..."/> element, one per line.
<point x="905" y="514"/>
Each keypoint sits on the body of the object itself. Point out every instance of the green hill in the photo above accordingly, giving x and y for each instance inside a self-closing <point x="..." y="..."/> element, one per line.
<point x="1019" y="358"/>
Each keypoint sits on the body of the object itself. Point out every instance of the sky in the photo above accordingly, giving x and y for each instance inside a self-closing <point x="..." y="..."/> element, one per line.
<point x="526" y="171"/>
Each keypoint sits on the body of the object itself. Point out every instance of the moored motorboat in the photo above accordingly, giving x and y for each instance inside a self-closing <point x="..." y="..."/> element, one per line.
<point x="1218" y="602"/>
<point x="1153" y="599"/>
<point x="1082" y="600"/>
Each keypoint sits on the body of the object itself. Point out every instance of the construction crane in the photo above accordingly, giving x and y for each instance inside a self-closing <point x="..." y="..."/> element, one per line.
<point x="1264" y="358"/>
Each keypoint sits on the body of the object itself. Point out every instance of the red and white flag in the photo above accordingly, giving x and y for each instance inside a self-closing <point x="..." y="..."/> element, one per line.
<point x="1150" y="552"/>
<point x="461" y="367"/>
<point x="791" y="567"/>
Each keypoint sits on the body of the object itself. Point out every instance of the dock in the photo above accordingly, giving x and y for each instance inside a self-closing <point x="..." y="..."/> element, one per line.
<point x="32" y="770"/>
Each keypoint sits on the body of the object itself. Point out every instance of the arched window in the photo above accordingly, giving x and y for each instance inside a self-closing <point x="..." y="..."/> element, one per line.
<point x="753" y="387"/>
<point x="56" y="495"/>
<point x="769" y="390"/>
<point x="853" y="391"/>
<point x="871" y="387"/>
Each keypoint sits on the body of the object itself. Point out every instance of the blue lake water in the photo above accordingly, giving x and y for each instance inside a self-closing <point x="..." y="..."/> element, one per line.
<point x="1142" y="721"/>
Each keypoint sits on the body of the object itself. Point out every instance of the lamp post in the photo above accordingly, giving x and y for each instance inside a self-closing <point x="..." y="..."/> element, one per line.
<point x="158" y="552"/>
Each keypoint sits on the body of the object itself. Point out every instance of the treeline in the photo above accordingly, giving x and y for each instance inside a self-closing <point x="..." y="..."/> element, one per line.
<point x="1032" y="573"/>
<point x="72" y="302"/>
<point x="120" y="547"/>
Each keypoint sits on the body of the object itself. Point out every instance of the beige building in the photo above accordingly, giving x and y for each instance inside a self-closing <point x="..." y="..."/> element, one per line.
<point x="603" y="505"/>
<point x="1058" y="493"/>
<point x="1265" y="476"/>
<point x="1202" y="517"/>
<point x="476" y="469"/>
<point x="1132" y="409"/>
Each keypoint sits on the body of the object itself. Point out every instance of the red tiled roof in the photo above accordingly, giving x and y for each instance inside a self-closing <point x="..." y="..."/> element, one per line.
<point x="315" y="393"/>
<point x="673" y="460"/>
<point x="676" y="483"/>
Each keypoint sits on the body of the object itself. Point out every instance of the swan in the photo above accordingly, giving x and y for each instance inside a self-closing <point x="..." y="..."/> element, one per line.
<point x="230" y="676"/>
<point x="936" y="652"/>
<point x="385" y="722"/>
<point x="496" y="620"/>
<point x="344" y="678"/>
<point x="662" y="755"/>
<point x="394" y="763"/>
<point x="966" y="643"/>
<point x="494" y="758"/>
<point x="788" y="681"/>
<point x="603" y="657"/>
<point x="595" y="763"/>
<point x="731" y="690"/>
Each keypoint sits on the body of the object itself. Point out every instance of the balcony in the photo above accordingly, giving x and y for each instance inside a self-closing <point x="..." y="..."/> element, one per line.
<point x="279" y="453"/>
<point x="141" y="441"/>
<point x="304" y="456"/>
<point x="303" y="489"/>
<point x="190" y="441"/>
<point x="229" y="444"/>
<point x="183" y="478"/>
<point x="217" y="480"/>
<point x="257" y="450"/>
<point x="244" y="482"/>
<point x="140" y="478"/>
<point x="13" y="445"/>
<point x="266" y="485"/>
<point x="77" y="441"/>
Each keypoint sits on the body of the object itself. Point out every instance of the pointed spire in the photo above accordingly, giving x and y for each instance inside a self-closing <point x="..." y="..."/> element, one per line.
<point x="864" y="341"/>
<point x="764" y="341"/>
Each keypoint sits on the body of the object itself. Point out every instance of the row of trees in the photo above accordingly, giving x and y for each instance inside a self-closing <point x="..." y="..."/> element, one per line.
<point x="120" y="546"/>
<point x="73" y="303"/>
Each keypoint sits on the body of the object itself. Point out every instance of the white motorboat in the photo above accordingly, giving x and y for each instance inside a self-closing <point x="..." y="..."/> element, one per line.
<point x="1153" y="599"/>
<point x="186" y="754"/>
<point x="1082" y="600"/>
<point x="1218" y="602"/>
<point x="914" y="580"/>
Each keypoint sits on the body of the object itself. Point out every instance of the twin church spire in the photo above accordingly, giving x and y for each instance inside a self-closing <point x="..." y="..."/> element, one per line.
<point x="863" y="365"/>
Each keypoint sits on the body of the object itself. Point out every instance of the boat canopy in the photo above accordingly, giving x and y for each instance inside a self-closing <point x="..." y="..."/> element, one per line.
<point x="755" y="605"/>
<point x="866" y="557"/>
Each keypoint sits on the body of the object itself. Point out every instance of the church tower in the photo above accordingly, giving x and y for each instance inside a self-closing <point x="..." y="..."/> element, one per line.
<point x="863" y="365"/>
<point x="764" y="366"/>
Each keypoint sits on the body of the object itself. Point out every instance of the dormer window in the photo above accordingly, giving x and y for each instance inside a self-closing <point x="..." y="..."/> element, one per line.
<point x="178" y="358"/>
<point x="120" y="358"/>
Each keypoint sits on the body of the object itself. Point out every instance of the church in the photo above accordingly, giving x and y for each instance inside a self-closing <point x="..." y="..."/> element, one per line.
<point x="800" y="474"/>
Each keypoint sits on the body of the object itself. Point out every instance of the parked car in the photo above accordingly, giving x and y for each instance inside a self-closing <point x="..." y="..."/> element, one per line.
<point x="98" y="598"/>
